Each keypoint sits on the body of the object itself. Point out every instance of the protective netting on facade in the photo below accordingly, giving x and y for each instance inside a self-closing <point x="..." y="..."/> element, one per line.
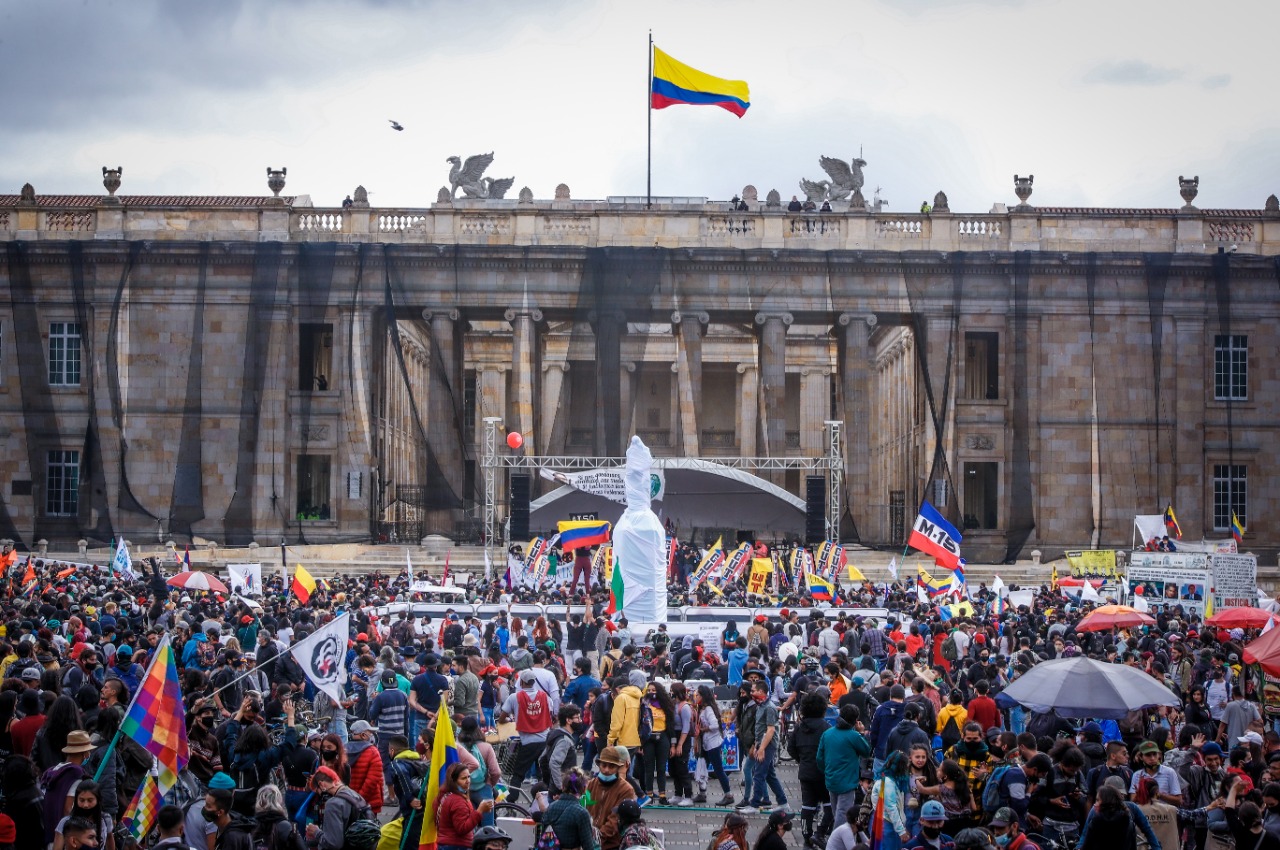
<point x="1022" y="519"/>
<point x="262" y="318"/>
<point x="187" y="505"/>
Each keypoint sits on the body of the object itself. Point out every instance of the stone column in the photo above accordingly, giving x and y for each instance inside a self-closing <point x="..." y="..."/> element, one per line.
<point x="491" y="400"/>
<point x="748" y="409"/>
<point x="442" y="411"/>
<point x="855" y="386"/>
<point x="773" y="380"/>
<point x="554" y="428"/>
<point x="688" y="368"/>
<point x="609" y="328"/>
<point x="524" y="360"/>
<point x="1188" y="453"/>
<point x="814" y="402"/>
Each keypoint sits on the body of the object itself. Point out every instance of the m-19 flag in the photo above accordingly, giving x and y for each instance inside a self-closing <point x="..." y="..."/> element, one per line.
<point x="934" y="536"/>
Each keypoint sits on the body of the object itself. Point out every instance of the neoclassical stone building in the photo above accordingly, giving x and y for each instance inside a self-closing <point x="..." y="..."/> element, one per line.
<point x="253" y="368"/>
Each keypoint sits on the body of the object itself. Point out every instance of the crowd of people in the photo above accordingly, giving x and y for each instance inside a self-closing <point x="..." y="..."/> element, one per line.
<point x="896" y="724"/>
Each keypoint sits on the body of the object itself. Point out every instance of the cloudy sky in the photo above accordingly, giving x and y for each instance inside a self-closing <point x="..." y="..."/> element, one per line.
<point x="1106" y="103"/>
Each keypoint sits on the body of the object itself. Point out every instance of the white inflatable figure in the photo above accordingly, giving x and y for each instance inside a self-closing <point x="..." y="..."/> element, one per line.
<point x="639" y="543"/>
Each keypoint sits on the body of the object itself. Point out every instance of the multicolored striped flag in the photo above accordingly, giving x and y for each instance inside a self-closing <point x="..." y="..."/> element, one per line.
<point x="444" y="752"/>
<point x="711" y="562"/>
<point x="141" y="814"/>
<point x="155" y="718"/>
<point x="877" y="820"/>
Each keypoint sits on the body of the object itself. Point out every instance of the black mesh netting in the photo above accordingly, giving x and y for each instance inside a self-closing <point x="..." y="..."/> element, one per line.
<point x="238" y="526"/>
<point x="187" y="505"/>
<point x="128" y="501"/>
<point x="936" y="360"/>
<point x="1157" y="273"/>
<point x="1022" y="519"/>
<point x="1222" y="295"/>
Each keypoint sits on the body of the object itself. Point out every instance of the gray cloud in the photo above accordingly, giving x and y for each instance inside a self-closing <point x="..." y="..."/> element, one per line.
<point x="1216" y="81"/>
<point x="1133" y="72"/>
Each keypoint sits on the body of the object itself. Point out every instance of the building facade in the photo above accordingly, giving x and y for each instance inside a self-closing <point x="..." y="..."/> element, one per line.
<point x="243" y="369"/>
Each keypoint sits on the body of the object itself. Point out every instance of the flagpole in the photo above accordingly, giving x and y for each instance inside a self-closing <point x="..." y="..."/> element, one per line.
<point x="648" y="170"/>
<point x="133" y="699"/>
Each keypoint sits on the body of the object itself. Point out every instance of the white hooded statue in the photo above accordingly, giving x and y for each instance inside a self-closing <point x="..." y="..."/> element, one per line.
<point x="639" y="545"/>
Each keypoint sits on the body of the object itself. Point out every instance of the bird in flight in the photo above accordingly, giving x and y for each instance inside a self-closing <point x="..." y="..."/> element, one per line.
<point x="395" y="125"/>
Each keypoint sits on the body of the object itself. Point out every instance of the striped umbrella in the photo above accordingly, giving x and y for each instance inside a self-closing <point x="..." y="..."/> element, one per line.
<point x="196" y="580"/>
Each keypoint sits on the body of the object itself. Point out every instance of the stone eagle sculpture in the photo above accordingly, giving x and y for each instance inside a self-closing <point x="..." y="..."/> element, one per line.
<point x="846" y="179"/>
<point x="467" y="177"/>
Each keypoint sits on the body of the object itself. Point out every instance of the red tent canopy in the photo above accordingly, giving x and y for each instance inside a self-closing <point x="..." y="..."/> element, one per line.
<point x="1265" y="651"/>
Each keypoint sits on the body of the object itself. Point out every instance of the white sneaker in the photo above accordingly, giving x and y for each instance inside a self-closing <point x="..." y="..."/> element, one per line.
<point x="684" y="802"/>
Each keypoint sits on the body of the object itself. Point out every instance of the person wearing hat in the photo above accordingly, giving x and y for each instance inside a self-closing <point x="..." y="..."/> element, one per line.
<point x="929" y="835"/>
<point x="59" y="782"/>
<point x="1008" y="833"/>
<point x="464" y="695"/>
<point x="206" y="753"/>
<point x="389" y="712"/>
<point x="530" y="707"/>
<point x="123" y="668"/>
<point x="607" y="790"/>
<point x="366" y="765"/>
<point x="1166" y="777"/>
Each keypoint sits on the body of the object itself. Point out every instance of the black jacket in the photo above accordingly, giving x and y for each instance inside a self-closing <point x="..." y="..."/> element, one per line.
<point x="803" y="747"/>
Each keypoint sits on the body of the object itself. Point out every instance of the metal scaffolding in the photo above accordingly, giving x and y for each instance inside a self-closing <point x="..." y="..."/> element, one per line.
<point x="490" y="461"/>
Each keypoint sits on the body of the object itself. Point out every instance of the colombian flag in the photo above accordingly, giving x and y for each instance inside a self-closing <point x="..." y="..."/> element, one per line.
<point x="676" y="83"/>
<point x="444" y="752"/>
<point x="935" y="587"/>
<point x="303" y="584"/>
<point x="1237" y="527"/>
<point x="819" y="587"/>
<point x="583" y="534"/>
<point x="1171" y="522"/>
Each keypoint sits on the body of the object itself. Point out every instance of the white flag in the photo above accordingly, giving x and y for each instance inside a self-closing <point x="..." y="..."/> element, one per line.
<point x="245" y="579"/>
<point x="488" y="567"/>
<point x="1088" y="593"/>
<point x="321" y="656"/>
<point x="893" y="567"/>
<point x="998" y="588"/>
<point x="1140" y="603"/>
<point x="122" y="563"/>
<point x="408" y="565"/>
<point x="921" y="595"/>
<point x="1271" y="624"/>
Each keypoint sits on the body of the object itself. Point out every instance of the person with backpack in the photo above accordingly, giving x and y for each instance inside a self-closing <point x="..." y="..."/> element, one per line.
<point x="486" y="773"/>
<point x="407" y="772"/>
<point x="344" y="812"/>
<point x="559" y="755"/>
<point x="951" y="719"/>
<point x="709" y="727"/>
<point x="658" y="713"/>
<point x="624" y="721"/>
<point x="802" y="746"/>
<point x="1006" y="784"/>
<point x="274" y="830"/>
<point x="635" y="832"/>
<point x="566" y="820"/>
<point x="233" y="831"/>
<point x="530" y="707"/>
<point x="841" y="751"/>
<point x="366" y="764"/>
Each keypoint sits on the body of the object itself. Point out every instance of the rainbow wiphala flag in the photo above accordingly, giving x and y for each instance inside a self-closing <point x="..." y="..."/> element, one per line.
<point x="155" y="721"/>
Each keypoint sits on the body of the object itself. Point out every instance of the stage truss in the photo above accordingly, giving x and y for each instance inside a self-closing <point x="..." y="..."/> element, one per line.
<point x="491" y="460"/>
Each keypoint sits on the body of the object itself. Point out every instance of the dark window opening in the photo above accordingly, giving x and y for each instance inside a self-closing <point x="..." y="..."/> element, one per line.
<point x="982" y="366"/>
<point x="315" y="357"/>
<point x="981" y="487"/>
<point x="313" y="487"/>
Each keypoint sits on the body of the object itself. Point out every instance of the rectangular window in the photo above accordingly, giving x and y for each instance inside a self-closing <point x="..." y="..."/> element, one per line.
<point x="1230" y="367"/>
<point x="62" y="483"/>
<point x="64" y="354"/>
<point x="1230" y="493"/>
<point x="981" y="487"/>
<point x="315" y="357"/>
<point x="313" y="487"/>
<point x="982" y="366"/>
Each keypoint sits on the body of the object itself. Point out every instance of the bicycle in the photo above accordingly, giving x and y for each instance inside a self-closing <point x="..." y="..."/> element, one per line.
<point x="1044" y="843"/>
<point x="510" y="806"/>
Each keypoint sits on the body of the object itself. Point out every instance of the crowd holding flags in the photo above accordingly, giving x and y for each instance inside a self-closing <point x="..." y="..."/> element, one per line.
<point x="709" y="565"/>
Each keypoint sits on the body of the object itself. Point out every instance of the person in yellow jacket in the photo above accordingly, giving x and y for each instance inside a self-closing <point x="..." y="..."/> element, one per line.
<point x="624" y="722"/>
<point x="951" y="719"/>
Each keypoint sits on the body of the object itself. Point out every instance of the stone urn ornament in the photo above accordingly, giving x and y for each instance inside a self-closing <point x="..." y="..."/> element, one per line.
<point x="275" y="180"/>
<point x="111" y="179"/>
<point x="1188" y="189"/>
<point x="1022" y="188"/>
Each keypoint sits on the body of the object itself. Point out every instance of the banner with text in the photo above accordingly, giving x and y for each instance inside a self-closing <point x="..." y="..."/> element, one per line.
<point x="1164" y="588"/>
<point x="607" y="483"/>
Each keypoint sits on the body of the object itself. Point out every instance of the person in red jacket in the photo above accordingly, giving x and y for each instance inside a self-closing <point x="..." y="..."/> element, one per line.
<point x="982" y="708"/>
<point x="365" y="764"/>
<point x="456" y="818"/>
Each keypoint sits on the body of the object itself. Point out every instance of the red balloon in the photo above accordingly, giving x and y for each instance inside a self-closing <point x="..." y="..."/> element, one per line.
<point x="515" y="440"/>
<point x="1139" y="590"/>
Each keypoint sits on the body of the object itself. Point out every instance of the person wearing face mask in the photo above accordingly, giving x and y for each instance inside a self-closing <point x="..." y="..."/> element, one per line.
<point x="206" y="756"/>
<point x="299" y="764"/>
<point x="1008" y="835"/>
<point x="86" y="805"/>
<point x="233" y="831"/>
<point x="80" y="833"/>
<point x="607" y="790"/>
<point x="930" y="836"/>
<point x="559" y="755"/>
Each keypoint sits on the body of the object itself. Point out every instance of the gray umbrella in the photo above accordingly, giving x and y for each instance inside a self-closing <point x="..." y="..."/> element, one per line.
<point x="1082" y="687"/>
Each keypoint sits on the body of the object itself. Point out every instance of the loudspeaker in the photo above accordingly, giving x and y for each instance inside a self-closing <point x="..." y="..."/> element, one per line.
<point x="520" y="508"/>
<point x="815" y="509"/>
